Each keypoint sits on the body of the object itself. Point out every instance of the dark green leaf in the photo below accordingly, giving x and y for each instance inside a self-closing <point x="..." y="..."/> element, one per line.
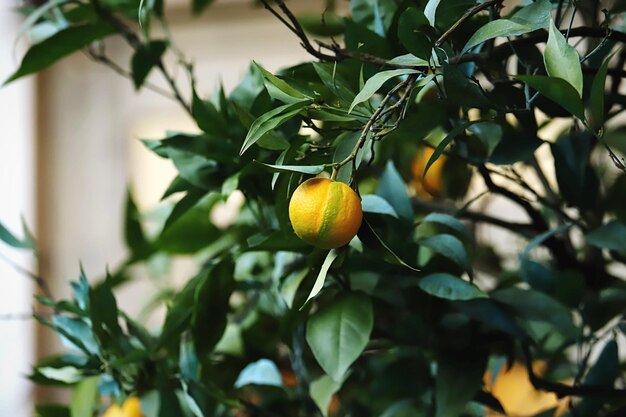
<point x="145" y="58"/>
<point x="461" y="90"/>
<point x="368" y="236"/>
<point x="413" y="32"/>
<point x="133" y="231"/>
<point x="210" y="309"/>
<point x="457" y="382"/>
<point x="339" y="332"/>
<point x="604" y="372"/>
<point x="557" y="90"/>
<point x="535" y="305"/>
<point x="198" y="6"/>
<point x="448" y="286"/>
<point x="571" y="153"/>
<point x="491" y="314"/>
<point x="596" y="97"/>
<point x="208" y="117"/>
<point x="450" y="247"/>
<point x="59" y="45"/>
<point x="444" y="143"/>
<point x="562" y="60"/>
<point x="610" y="236"/>
<point x="52" y="410"/>
<point x="103" y="313"/>
<point x="449" y="221"/>
<point x="393" y="190"/>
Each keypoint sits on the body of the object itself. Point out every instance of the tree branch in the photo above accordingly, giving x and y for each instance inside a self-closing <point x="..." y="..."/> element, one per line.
<point x="471" y="12"/>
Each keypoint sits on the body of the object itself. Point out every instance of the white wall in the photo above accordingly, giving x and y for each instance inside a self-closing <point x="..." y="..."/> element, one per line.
<point x="16" y="200"/>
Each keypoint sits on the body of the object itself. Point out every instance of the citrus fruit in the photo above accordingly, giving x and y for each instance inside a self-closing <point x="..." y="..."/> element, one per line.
<point x="325" y="213"/>
<point x="130" y="408"/>
<point x="517" y="395"/>
<point x="432" y="183"/>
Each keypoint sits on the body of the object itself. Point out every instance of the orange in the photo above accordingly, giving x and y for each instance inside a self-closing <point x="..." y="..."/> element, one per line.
<point x="517" y="395"/>
<point x="130" y="408"/>
<point x="325" y="213"/>
<point x="433" y="182"/>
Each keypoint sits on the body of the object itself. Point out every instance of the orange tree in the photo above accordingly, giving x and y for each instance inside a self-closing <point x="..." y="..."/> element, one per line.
<point x="422" y="310"/>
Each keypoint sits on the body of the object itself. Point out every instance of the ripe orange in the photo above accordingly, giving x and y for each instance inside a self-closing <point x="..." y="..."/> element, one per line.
<point x="519" y="398"/>
<point x="325" y="213"/>
<point x="432" y="183"/>
<point x="130" y="408"/>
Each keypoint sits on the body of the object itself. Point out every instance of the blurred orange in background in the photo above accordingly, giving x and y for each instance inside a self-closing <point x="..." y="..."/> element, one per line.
<point x="517" y="395"/>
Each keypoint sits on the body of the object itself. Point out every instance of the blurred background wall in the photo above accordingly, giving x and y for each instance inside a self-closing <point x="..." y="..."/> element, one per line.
<point x="70" y="146"/>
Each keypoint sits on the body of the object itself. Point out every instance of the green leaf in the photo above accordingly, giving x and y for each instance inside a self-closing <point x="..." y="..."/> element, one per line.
<point x="103" y="312"/>
<point x="59" y="45"/>
<point x="610" y="236"/>
<point x="557" y="90"/>
<point x="279" y="89"/>
<point x="198" y="6"/>
<point x="449" y="287"/>
<point x="261" y="372"/>
<point x="66" y="374"/>
<point x="373" y="203"/>
<point x="299" y="169"/>
<point x="208" y="117"/>
<point x="322" y="390"/>
<point x="562" y="60"/>
<point x="408" y="60"/>
<point x="84" y="398"/>
<point x="571" y="153"/>
<point x="211" y="307"/>
<point x="491" y="314"/>
<point x="321" y="276"/>
<point x="604" y="372"/>
<point x="457" y="382"/>
<point x="461" y="90"/>
<point x="450" y="247"/>
<point x="596" y="97"/>
<point x="535" y="305"/>
<point x="51" y="410"/>
<point x="145" y="58"/>
<point x="9" y="238"/>
<point x="271" y="120"/>
<point x="413" y="30"/>
<point x="374" y="83"/>
<point x="179" y="312"/>
<point x="393" y="190"/>
<point x="370" y="238"/>
<point x="77" y="332"/>
<point x="339" y="332"/>
<point x="495" y="29"/>
<point x="429" y="11"/>
<point x="133" y="231"/>
<point x="530" y="18"/>
<point x="449" y="221"/>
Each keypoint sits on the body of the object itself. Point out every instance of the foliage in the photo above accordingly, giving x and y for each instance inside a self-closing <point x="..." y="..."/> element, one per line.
<point x="407" y="318"/>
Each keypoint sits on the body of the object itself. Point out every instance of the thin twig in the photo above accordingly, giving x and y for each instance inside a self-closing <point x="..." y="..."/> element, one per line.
<point x="134" y="42"/>
<point x="37" y="279"/>
<point x="471" y="12"/>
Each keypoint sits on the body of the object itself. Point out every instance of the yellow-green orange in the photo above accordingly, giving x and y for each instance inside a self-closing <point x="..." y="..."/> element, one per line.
<point x="325" y="213"/>
<point x="130" y="408"/>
